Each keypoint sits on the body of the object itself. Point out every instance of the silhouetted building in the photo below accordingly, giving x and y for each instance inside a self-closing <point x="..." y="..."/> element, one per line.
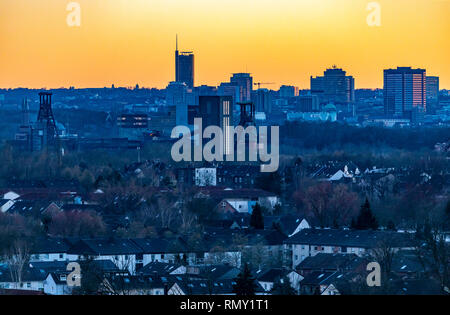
<point x="335" y="86"/>
<point x="217" y="111"/>
<point x="405" y="92"/>
<point x="288" y="91"/>
<point x="176" y="96"/>
<point x="433" y="88"/>
<point x="309" y="103"/>
<point x="262" y="99"/>
<point x="245" y="83"/>
<point x="184" y="67"/>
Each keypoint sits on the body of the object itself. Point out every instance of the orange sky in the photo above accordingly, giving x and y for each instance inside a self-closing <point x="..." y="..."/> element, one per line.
<point x="128" y="42"/>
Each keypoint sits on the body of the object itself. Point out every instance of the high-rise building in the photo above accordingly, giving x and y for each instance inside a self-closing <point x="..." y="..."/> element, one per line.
<point x="334" y="86"/>
<point x="288" y="91"/>
<point x="217" y="111"/>
<point x="432" y="88"/>
<point x="176" y="93"/>
<point x="184" y="67"/>
<point x="262" y="99"/>
<point x="245" y="83"/>
<point x="405" y="92"/>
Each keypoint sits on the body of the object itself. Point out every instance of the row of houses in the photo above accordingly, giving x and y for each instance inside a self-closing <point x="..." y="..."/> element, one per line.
<point x="215" y="246"/>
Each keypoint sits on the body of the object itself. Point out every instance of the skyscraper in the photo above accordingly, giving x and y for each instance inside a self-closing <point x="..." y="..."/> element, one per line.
<point x="404" y="92"/>
<point x="245" y="83"/>
<point x="334" y="86"/>
<point x="184" y="67"/>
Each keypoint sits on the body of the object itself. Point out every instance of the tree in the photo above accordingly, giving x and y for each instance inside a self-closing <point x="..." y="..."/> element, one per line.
<point x="269" y="182"/>
<point x="330" y="205"/>
<point x="283" y="287"/>
<point x="365" y="220"/>
<point x="434" y="254"/>
<point x="256" y="219"/>
<point x="17" y="257"/>
<point x="92" y="279"/>
<point x="77" y="224"/>
<point x="245" y="283"/>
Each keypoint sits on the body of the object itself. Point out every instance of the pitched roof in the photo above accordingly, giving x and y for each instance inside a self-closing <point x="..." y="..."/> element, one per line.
<point x="272" y="275"/>
<point x="28" y="274"/>
<point x="214" y="272"/>
<point x="351" y="238"/>
<point x="50" y="246"/>
<point x="321" y="278"/>
<point x="111" y="246"/>
<point x="195" y="286"/>
<point x="220" y="193"/>
<point x="26" y="207"/>
<point x="160" y="245"/>
<point x="330" y="262"/>
<point x="159" y="268"/>
<point x="289" y="222"/>
<point x="104" y="265"/>
<point x="3" y="202"/>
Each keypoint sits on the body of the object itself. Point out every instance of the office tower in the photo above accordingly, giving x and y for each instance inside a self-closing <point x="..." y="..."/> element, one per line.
<point x="262" y="99"/>
<point x="334" y="86"/>
<point x="404" y="92"/>
<point x="176" y="93"/>
<point x="432" y="89"/>
<point x="288" y="91"/>
<point x="308" y="103"/>
<point x="217" y="111"/>
<point x="245" y="83"/>
<point x="184" y="67"/>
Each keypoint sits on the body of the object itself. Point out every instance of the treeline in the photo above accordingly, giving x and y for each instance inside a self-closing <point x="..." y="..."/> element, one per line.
<point x="336" y="135"/>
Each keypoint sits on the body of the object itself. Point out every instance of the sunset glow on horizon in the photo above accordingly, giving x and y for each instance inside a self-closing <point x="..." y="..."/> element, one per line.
<point x="129" y="42"/>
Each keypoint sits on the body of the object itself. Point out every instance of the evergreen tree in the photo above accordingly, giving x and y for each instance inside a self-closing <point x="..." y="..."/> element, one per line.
<point x="245" y="283"/>
<point x="366" y="220"/>
<point x="282" y="287"/>
<point x="257" y="220"/>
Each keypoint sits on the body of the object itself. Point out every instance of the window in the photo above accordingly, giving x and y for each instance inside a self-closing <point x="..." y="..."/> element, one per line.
<point x="61" y="256"/>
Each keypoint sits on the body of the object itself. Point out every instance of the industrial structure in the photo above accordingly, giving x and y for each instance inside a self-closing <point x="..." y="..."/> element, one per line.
<point x="42" y="134"/>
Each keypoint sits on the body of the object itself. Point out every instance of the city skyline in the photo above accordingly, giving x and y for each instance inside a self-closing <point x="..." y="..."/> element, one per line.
<point x="286" y="43"/>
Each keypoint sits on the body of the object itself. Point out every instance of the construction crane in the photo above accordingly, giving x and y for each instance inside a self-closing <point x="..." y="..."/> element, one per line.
<point x="262" y="83"/>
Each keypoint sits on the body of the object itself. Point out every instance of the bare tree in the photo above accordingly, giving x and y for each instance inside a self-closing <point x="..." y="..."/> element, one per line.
<point x="17" y="257"/>
<point x="434" y="255"/>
